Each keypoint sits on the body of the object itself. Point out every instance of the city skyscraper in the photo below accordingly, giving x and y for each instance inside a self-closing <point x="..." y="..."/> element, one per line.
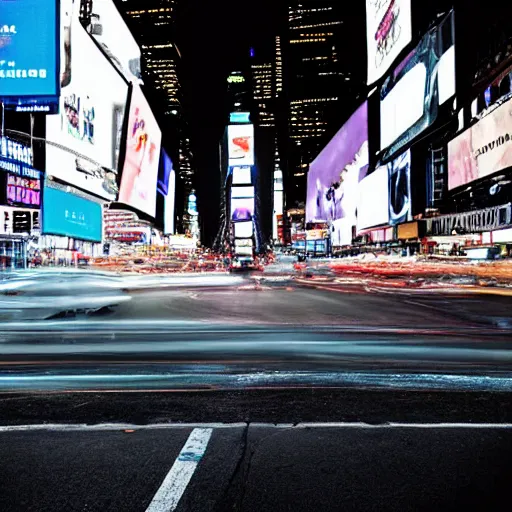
<point x="323" y="78"/>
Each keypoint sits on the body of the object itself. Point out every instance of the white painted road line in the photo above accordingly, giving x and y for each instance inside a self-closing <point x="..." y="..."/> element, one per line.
<point x="174" y="485"/>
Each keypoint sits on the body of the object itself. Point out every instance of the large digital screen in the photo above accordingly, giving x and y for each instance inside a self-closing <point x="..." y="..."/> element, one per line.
<point x="169" y="203"/>
<point x="140" y="170"/>
<point x="334" y="175"/>
<point x="410" y="97"/>
<point x="109" y="29"/>
<point x="242" y="210"/>
<point x="66" y="214"/>
<point x="399" y="172"/>
<point x="86" y="135"/>
<point x="164" y="172"/>
<point x="241" y="144"/>
<point x="373" y="204"/>
<point x="23" y="191"/>
<point x="242" y="192"/>
<point x="388" y="32"/>
<point x="29" y="55"/>
<point x="243" y="230"/>
<point x="483" y="149"/>
<point x="241" y="175"/>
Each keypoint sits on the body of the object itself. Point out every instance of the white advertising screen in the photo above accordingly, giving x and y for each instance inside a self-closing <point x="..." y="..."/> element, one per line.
<point x="245" y="242"/>
<point x="373" y="204"/>
<point x="388" y="32"/>
<point x="242" y="192"/>
<point x="411" y="95"/>
<point x="241" y="144"/>
<point x="109" y="29"/>
<point x="91" y="111"/>
<point x="482" y="150"/>
<point x="169" y="205"/>
<point x="241" y="176"/>
<point x="243" y="230"/>
<point x="243" y="251"/>
<point x="140" y="169"/>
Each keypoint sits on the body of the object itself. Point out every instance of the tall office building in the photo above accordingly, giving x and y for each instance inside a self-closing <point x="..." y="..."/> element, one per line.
<point x="324" y="76"/>
<point x="152" y="23"/>
<point x="267" y="87"/>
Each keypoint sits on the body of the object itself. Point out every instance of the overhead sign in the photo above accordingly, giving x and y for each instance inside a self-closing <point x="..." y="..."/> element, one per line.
<point x="235" y="79"/>
<point x="241" y="144"/>
<point x="29" y="55"/>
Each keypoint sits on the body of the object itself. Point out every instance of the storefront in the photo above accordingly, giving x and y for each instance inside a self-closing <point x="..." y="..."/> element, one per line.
<point x="20" y="201"/>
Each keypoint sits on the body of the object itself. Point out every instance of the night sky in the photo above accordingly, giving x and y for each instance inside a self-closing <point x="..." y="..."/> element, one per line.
<point x="214" y="38"/>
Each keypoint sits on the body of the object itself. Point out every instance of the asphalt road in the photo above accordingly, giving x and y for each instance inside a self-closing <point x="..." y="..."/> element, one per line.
<point x="257" y="468"/>
<point x="289" y="303"/>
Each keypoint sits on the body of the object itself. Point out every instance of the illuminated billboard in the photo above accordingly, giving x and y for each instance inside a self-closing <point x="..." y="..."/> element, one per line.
<point x="242" y="209"/>
<point x="243" y="230"/>
<point x="109" y="29"/>
<point x="86" y="135"/>
<point x="241" y="144"/>
<point x="240" y="117"/>
<point x="169" y="203"/>
<point x="140" y="169"/>
<point x="29" y="55"/>
<point x="388" y="32"/>
<point x="483" y="149"/>
<point x="334" y="175"/>
<point x="66" y="214"/>
<point x="410" y="97"/>
<point x="399" y="173"/>
<point x="241" y="175"/>
<point x="242" y="192"/>
<point x="373" y="204"/>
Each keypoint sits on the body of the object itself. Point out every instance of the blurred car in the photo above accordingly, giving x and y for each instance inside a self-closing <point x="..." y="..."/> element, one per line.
<point x="49" y="293"/>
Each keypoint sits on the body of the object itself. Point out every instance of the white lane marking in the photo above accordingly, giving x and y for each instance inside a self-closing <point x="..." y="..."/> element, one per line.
<point x="129" y="426"/>
<point x="174" y="484"/>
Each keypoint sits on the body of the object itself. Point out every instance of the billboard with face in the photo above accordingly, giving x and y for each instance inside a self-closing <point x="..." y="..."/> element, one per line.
<point x="140" y="169"/>
<point x="483" y="149"/>
<point x="334" y="175"/>
<point x="388" y="32"/>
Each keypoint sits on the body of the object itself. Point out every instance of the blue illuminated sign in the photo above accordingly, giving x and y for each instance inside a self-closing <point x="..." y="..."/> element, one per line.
<point x="239" y="117"/>
<point x="29" y="55"/>
<point x="69" y="215"/>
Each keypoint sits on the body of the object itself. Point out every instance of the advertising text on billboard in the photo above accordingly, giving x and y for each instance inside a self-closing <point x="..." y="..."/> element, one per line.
<point x="66" y="214"/>
<point x="29" y="55"/>
<point x="483" y="149"/>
